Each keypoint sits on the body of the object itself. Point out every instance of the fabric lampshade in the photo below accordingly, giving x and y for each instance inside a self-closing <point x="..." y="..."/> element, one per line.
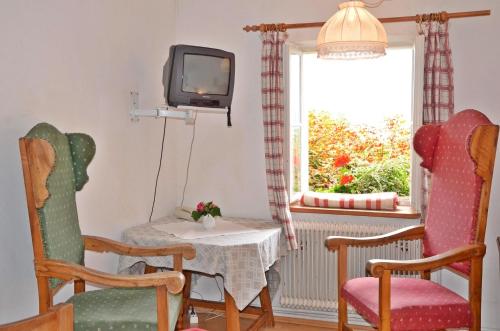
<point x="352" y="33"/>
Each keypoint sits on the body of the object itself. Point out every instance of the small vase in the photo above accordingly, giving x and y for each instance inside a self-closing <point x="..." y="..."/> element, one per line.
<point x="208" y="221"/>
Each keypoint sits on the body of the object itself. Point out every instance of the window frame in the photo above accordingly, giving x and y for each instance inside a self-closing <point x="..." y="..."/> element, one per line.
<point x="416" y="42"/>
<point x="292" y="49"/>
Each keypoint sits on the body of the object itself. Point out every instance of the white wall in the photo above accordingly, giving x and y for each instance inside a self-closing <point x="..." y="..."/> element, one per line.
<point x="228" y="164"/>
<point x="72" y="63"/>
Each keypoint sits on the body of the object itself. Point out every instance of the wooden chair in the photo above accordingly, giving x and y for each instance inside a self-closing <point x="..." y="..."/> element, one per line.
<point x="55" y="167"/>
<point x="460" y="154"/>
<point x="58" y="318"/>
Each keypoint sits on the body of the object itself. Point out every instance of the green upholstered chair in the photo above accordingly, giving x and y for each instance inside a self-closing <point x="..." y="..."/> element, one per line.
<point x="54" y="168"/>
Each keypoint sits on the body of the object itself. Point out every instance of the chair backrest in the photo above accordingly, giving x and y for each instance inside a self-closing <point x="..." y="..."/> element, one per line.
<point x="59" y="318"/>
<point x="460" y="155"/>
<point x="54" y="167"/>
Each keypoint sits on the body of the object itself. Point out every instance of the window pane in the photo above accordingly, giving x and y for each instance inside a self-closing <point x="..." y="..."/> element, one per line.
<point x="295" y="89"/>
<point x="361" y="90"/>
<point x="359" y="122"/>
<point x="296" y="144"/>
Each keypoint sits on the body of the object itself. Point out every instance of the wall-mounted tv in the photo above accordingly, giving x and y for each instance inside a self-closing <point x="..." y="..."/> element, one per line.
<point x="199" y="76"/>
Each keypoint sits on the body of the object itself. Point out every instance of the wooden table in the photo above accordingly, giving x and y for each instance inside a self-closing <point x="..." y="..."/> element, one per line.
<point x="217" y="256"/>
<point x="264" y="314"/>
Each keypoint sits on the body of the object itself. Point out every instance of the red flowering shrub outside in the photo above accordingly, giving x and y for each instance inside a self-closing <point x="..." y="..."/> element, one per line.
<point x="346" y="179"/>
<point x="358" y="159"/>
<point x="341" y="160"/>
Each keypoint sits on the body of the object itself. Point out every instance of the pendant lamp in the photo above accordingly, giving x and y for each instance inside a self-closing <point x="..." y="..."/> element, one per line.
<point x="352" y="33"/>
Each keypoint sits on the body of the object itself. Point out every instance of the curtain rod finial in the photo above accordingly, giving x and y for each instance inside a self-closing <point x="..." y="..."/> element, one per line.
<point x="443" y="17"/>
<point x="251" y="28"/>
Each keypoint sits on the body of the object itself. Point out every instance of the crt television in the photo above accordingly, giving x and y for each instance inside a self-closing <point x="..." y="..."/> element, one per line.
<point x="199" y="76"/>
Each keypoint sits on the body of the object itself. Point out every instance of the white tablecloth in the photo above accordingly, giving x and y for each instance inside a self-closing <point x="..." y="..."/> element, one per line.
<point x="241" y="259"/>
<point x="190" y="230"/>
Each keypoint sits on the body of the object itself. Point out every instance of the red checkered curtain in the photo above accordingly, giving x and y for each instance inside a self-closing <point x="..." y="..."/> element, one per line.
<point x="438" y="85"/>
<point x="274" y="131"/>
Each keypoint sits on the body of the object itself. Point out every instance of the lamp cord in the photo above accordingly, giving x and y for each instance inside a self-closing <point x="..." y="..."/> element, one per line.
<point x="159" y="168"/>
<point x="189" y="160"/>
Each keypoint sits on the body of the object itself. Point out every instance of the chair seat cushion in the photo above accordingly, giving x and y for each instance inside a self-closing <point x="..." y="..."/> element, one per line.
<point x="416" y="304"/>
<point x="121" y="309"/>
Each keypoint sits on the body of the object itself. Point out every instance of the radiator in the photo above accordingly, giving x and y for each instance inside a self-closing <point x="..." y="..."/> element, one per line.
<point x="309" y="274"/>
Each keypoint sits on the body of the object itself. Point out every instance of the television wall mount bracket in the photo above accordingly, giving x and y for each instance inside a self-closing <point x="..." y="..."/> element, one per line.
<point x="186" y="113"/>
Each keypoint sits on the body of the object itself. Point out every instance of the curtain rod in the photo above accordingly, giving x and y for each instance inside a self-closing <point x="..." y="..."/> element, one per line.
<point x="443" y="16"/>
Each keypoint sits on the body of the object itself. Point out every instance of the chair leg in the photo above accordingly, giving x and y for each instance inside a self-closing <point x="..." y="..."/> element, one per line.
<point x="183" y="320"/>
<point x="425" y="275"/>
<point x="342" y="313"/>
<point x="475" y="284"/>
<point x="79" y="286"/>
<point x="44" y="296"/>
<point x="342" y="278"/>
<point x="384" y="300"/>
<point x="267" y="307"/>
<point x="476" y="324"/>
<point x="162" y="308"/>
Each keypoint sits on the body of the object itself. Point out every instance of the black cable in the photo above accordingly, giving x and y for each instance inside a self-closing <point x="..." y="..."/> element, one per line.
<point x="159" y="167"/>
<point x="189" y="160"/>
<point x="229" y="117"/>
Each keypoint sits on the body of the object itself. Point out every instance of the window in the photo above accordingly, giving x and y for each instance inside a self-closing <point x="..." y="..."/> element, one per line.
<point x="350" y="123"/>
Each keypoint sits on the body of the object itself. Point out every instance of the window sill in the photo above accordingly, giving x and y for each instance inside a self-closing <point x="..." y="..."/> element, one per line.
<point x="405" y="212"/>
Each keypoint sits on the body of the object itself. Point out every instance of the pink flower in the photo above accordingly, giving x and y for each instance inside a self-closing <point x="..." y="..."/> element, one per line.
<point x="200" y="206"/>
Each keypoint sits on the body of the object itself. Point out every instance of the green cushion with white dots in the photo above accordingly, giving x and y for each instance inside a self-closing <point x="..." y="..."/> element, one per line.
<point x="61" y="233"/>
<point x="125" y="309"/>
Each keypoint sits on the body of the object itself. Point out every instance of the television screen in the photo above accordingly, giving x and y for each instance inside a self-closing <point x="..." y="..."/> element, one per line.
<point x="205" y="74"/>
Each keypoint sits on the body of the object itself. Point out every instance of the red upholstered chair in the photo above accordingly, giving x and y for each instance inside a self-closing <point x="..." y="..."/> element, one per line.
<point x="460" y="155"/>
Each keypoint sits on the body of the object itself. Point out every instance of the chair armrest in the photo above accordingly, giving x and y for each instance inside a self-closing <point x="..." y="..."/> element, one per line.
<point x="466" y="252"/>
<point x="99" y="244"/>
<point x="58" y="318"/>
<point x="408" y="233"/>
<point x="173" y="280"/>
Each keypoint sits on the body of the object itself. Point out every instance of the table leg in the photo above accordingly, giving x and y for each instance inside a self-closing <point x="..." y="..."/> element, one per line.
<point x="232" y="313"/>
<point x="150" y="269"/>
<point x="267" y="307"/>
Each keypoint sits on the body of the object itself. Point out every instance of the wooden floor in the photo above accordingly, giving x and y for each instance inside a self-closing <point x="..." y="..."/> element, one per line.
<point x="212" y="322"/>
